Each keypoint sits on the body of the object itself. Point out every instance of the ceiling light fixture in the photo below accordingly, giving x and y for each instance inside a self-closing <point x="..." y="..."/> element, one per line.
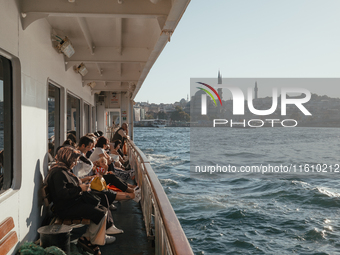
<point x="81" y="69"/>
<point x="92" y="84"/>
<point x="64" y="46"/>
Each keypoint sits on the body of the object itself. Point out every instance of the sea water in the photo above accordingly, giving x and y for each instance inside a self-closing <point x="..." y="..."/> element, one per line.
<point x="247" y="215"/>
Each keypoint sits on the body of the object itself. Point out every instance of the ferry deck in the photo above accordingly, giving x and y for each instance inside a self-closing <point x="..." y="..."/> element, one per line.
<point x="78" y="65"/>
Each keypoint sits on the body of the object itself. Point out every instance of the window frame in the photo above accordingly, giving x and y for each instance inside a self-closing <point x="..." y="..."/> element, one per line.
<point x="8" y="120"/>
<point x="87" y="121"/>
<point x="78" y="109"/>
<point x="15" y="125"/>
<point x="57" y="114"/>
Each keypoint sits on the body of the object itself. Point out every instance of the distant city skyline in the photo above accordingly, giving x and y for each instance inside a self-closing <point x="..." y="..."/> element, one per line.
<point x="247" y="39"/>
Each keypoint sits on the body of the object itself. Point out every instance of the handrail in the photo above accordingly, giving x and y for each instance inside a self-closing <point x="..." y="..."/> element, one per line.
<point x="174" y="233"/>
<point x="140" y="153"/>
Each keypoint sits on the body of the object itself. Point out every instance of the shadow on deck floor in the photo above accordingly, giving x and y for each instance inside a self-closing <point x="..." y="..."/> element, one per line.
<point x="133" y="241"/>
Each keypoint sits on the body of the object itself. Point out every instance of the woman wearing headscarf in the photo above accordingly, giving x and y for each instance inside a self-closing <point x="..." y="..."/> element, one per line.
<point x="72" y="199"/>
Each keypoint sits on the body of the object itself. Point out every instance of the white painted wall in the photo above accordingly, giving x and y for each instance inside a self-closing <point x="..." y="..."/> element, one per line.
<point x="100" y="117"/>
<point x="39" y="63"/>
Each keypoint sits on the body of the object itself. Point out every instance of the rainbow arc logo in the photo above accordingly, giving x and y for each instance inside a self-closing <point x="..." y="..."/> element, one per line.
<point x="213" y="90"/>
<point x="204" y="97"/>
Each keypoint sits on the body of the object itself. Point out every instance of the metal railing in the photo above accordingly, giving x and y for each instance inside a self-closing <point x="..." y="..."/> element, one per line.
<point x="161" y="223"/>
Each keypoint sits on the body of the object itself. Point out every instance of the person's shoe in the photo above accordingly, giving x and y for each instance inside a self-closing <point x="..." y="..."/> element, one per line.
<point x="112" y="207"/>
<point x="137" y="196"/>
<point x="113" y="230"/>
<point x="109" y="239"/>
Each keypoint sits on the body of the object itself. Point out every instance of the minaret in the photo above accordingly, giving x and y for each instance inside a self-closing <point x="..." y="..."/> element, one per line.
<point x="219" y="81"/>
<point x="219" y="90"/>
<point x="255" y="90"/>
<point x="219" y="78"/>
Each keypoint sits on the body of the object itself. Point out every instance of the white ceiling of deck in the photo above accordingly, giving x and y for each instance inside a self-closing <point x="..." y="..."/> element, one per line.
<point x="117" y="40"/>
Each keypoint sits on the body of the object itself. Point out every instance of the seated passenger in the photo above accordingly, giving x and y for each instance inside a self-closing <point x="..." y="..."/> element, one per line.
<point x="94" y="138"/>
<point x="101" y="168"/>
<point x="71" y="199"/>
<point x="84" y="166"/>
<point x="110" y="178"/>
<point x="122" y="135"/>
<point x="50" y="152"/>
<point x="99" y="150"/>
<point x="99" y="133"/>
<point x="72" y="137"/>
<point x="69" y="142"/>
<point x="83" y="170"/>
<point x="114" y="151"/>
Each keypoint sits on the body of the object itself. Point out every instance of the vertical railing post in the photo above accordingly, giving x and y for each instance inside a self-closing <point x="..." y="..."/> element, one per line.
<point x="168" y="235"/>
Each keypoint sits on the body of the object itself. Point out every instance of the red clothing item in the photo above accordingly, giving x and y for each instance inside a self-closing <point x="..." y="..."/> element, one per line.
<point x="100" y="170"/>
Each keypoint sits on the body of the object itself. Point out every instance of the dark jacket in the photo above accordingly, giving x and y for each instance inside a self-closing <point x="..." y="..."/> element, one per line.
<point x="64" y="188"/>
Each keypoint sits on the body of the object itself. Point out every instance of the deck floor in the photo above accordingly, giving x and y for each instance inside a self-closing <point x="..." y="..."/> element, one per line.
<point x="133" y="241"/>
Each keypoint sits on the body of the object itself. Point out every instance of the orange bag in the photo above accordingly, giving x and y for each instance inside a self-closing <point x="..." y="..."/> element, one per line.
<point x="114" y="188"/>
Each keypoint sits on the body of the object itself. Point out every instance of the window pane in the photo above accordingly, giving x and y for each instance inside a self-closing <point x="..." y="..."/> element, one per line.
<point x="73" y="120"/>
<point x="86" y="118"/>
<point x="53" y="118"/>
<point x="6" y="171"/>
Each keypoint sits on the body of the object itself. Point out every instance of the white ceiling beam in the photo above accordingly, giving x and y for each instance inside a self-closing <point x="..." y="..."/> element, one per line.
<point x="119" y="39"/>
<point x="108" y="55"/>
<point x="100" y="71"/>
<point x="129" y="74"/>
<point x="69" y="64"/>
<point x="120" y="68"/>
<point x="36" y="9"/>
<point x="86" y="32"/>
<point x="109" y="89"/>
<point x="109" y="81"/>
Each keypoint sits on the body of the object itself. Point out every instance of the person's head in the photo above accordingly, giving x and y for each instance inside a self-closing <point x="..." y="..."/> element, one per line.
<point x="99" y="133"/>
<point x="102" y="162"/>
<point x="101" y="142"/>
<point x="117" y="144"/>
<point x="91" y="135"/>
<point x="68" y="142"/>
<point x="85" y="144"/>
<point x="67" y="156"/>
<point x="72" y="137"/>
<point x="51" y="148"/>
<point x="72" y="132"/>
<point x="125" y="126"/>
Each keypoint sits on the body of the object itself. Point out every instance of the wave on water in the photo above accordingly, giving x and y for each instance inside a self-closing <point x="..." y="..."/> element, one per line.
<point x="280" y="215"/>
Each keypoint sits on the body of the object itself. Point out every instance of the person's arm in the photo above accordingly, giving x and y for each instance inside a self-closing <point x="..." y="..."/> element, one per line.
<point x="121" y="160"/>
<point x="86" y="179"/>
<point x="64" y="189"/>
<point x="122" y="133"/>
<point x="107" y="156"/>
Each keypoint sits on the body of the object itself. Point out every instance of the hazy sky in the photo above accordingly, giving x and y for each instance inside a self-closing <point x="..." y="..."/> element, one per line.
<point x="247" y="38"/>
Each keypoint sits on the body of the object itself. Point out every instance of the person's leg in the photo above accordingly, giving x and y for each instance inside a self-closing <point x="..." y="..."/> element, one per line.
<point x="83" y="210"/>
<point x="95" y="233"/>
<point x="124" y="196"/>
<point x="107" y="197"/>
<point x="114" y="180"/>
<point x="123" y="174"/>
